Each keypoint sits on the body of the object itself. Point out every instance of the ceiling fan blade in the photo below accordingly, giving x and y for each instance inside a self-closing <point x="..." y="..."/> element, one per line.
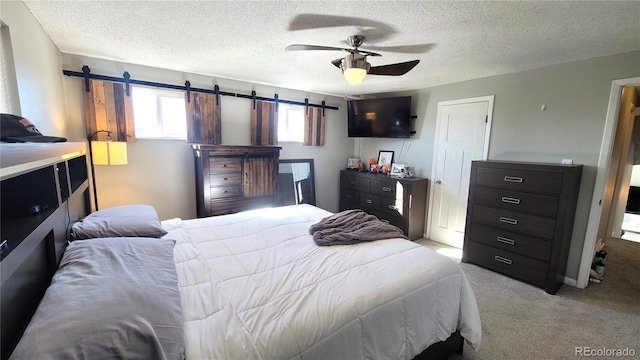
<point x="364" y="52"/>
<point x="296" y="47"/>
<point x="404" y="49"/>
<point x="393" y="69"/>
<point x="375" y="31"/>
<point x="337" y="62"/>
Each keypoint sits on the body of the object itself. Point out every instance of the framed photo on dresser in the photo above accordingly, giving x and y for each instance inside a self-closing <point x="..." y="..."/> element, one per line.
<point x="385" y="157"/>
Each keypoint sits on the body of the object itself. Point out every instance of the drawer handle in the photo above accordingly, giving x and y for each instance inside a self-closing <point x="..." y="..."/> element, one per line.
<point x="505" y="240"/>
<point x="369" y="201"/>
<point x="510" y="200"/>
<point x="393" y="207"/>
<point x="354" y="182"/>
<point x="507" y="220"/>
<point x="503" y="260"/>
<point x="386" y="189"/>
<point x="513" y="179"/>
<point x="4" y="246"/>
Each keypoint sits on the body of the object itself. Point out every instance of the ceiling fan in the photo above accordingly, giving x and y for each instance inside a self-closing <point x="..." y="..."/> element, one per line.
<point x="354" y="66"/>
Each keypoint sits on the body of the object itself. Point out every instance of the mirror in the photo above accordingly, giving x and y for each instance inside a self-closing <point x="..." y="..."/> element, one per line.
<point x="297" y="183"/>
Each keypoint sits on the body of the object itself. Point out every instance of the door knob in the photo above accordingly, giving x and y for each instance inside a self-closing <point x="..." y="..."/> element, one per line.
<point x="438" y="182"/>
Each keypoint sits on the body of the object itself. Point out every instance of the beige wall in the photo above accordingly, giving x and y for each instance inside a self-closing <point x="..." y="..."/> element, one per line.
<point x="38" y="70"/>
<point x="161" y="172"/>
<point x="576" y="95"/>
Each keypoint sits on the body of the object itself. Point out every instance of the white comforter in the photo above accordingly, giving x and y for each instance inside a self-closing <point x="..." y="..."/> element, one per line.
<point x="254" y="285"/>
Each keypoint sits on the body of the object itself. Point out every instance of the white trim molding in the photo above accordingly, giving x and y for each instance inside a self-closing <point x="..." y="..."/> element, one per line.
<point x="604" y="161"/>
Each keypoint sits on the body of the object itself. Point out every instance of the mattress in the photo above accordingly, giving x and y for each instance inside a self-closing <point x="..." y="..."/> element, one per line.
<point x="254" y="285"/>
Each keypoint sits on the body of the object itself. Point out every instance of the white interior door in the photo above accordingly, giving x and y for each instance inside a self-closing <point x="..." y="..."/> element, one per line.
<point x="462" y="135"/>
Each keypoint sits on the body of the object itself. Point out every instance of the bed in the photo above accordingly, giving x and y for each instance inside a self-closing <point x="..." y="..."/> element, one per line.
<point x="252" y="285"/>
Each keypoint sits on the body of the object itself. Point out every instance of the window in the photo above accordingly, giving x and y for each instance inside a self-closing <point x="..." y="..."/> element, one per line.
<point x="159" y="113"/>
<point x="290" y="123"/>
<point x="9" y="101"/>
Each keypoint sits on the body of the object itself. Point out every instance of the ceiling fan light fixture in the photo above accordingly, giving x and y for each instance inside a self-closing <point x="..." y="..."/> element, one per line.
<point x="354" y="71"/>
<point x="355" y="76"/>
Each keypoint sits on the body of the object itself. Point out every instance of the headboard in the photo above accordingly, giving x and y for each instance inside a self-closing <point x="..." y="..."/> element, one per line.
<point x="44" y="189"/>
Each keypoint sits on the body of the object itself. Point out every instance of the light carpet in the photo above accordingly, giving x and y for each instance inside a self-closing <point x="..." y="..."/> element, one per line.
<point x="520" y="321"/>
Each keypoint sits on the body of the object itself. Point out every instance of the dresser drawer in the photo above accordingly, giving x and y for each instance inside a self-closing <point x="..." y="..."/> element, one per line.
<point x="229" y="179"/>
<point x="508" y="263"/>
<point x="522" y="180"/>
<point x="226" y="191"/>
<point x="391" y="206"/>
<point x="539" y="204"/>
<point x="514" y="221"/>
<point x="225" y="165"/>
<point x="369" y="201"/>
<point x="349" y="199"/>
<point x="385" y="188"/>
<point x="355" y="183"/>
<point x="395" y="220"/>
<point x="509" y="241"/>
<point x="225" y="206"/>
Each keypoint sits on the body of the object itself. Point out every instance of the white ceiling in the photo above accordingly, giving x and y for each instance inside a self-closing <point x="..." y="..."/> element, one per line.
<point x="245" y="40"/>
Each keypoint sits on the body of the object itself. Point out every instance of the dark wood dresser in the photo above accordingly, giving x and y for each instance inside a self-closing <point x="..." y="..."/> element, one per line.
<point x="520" y="219"/>
<point x="230" y="179"/>
<point x="400" y="201"/>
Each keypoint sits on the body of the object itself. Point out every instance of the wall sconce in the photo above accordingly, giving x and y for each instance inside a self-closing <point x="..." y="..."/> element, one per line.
<point x="109" y="152"/>
<point x="105" y="153"/>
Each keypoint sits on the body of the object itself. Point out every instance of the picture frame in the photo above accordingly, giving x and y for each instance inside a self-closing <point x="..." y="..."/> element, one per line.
<point x="398" y="170"/>
<point x="385" y="157"/>
<point x="353" y="162"/>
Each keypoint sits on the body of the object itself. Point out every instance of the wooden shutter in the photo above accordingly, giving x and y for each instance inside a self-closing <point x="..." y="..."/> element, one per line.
<point x="107" y="107"/>
<point x="264" y="123"/>
<point x="314" y="120"/>
<point x="204" y="122"/>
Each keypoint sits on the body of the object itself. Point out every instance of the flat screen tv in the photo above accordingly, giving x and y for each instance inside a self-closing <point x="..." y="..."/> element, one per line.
<point x="383" y="118"/>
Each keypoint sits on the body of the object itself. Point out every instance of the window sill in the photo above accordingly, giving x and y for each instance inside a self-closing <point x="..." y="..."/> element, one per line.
<point x="159" y="138"/>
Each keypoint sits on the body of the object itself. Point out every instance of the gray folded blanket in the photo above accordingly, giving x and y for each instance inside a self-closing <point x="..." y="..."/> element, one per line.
<point x="350" y="227"/>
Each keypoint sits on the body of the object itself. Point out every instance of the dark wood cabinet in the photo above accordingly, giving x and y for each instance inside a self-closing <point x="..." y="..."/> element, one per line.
<point x="520" y="219"/>
<point x="230" y="179"/>
<point x="399" y="201"/>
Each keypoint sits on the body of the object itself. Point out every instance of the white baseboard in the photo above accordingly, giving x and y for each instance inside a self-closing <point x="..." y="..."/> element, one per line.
<point x="572" y="282"/>
<point x="456" y="243"/>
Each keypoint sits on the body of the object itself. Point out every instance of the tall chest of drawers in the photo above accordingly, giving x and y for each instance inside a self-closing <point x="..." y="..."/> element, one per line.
<point x="520" y="219"/>
<point x="399" y="201"/>
<point x="230" y="179"/>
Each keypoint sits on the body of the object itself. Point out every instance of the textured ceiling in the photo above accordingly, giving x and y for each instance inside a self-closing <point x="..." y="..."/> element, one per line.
<point x="245" y="40"/>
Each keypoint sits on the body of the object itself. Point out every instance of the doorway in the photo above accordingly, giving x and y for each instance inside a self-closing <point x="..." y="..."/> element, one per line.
<point x="624" y="222"/>
<point x="613" y="174"/>
<point x="462" y="135"/>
